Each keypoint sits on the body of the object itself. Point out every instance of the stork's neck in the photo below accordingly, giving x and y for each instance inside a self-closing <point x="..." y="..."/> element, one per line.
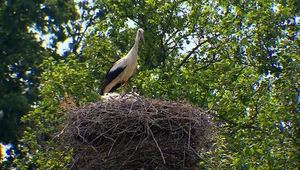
<point x="135" y="46"/>
<point x="136" y="43"/>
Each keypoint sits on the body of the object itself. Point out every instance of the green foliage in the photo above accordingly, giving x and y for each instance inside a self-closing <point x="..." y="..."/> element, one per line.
<point x="22" y="53"/>
<point x="239" y="68"/>
<point x="63" y="81"/>
<point x="239" y="60"/>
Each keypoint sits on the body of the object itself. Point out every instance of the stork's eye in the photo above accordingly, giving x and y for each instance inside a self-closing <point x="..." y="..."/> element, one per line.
<point x="139" y="31"/>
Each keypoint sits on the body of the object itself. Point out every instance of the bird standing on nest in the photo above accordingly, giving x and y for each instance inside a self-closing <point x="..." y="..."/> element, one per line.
<point x="123" y="69"/>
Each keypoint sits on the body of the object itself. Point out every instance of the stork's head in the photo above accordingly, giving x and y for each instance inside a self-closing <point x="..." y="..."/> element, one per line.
<point x="140" y="34"/>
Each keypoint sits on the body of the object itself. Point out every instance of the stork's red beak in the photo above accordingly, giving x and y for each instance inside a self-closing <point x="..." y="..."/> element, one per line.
<point x="142" y="36"/>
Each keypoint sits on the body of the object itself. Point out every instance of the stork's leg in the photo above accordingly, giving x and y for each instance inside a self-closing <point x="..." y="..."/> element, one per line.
<point x="124" y="89"/>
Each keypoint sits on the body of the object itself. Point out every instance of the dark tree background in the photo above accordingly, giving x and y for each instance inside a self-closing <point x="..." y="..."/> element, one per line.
<point x="21" y="56"/>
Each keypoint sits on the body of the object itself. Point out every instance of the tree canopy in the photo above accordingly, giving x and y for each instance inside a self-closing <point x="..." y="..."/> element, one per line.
<point x="22" y="53"/>
<point x="239" y="60"/>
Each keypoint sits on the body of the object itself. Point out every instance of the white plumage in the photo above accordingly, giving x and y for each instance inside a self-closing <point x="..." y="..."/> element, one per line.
<point x="123" y="69"/>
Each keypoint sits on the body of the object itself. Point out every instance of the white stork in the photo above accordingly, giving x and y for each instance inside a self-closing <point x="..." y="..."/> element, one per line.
<point x="123" y="69"/>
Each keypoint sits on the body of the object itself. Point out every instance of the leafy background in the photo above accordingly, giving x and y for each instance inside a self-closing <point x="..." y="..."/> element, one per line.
<point x="238" y="59"/>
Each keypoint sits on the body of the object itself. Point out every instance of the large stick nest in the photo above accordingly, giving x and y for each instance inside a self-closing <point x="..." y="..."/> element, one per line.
<point x="134" y="132"/>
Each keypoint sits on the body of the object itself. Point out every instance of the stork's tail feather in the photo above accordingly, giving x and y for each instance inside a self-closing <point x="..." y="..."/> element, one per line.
<point x="115" y="87"/>
<point x="103" y="85"/>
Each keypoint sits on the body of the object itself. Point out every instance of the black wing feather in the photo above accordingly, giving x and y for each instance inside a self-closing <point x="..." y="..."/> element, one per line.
<point x="115" y="87"/>
<point x="110" y="76"/>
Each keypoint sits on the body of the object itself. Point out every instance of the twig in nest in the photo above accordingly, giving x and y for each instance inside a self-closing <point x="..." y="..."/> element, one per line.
<point x="85" y="139"/>
<point x="161" y="153"/>
<point x="190" y="127"/>
<point x="61" y="132"/>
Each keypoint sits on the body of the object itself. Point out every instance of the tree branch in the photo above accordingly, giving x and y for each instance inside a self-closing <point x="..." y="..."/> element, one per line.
<point x="191" y="52"/>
